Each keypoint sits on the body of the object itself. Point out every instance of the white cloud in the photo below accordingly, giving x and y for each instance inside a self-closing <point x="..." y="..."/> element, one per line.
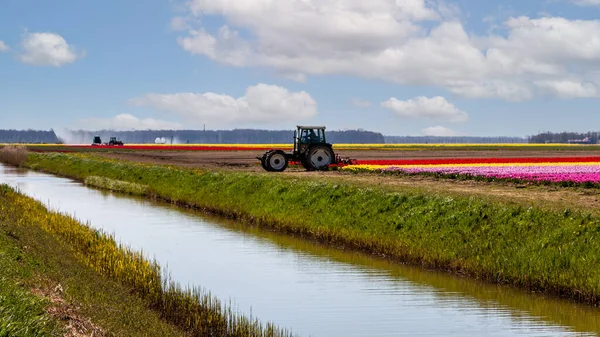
<point x="127" y="122"/>
<point x="388" y="40"/>
<point x="179" y="23"/>
<point x="423" y="107"/>
<point x="261" y="104"/>
<point x="586" y="2"/>
<point x="438" y="131"/>
<point x="3" y="47"/>
<point x="47" y="49"/>
<point x="361" y="103"/>
<point x="569" y="89"/>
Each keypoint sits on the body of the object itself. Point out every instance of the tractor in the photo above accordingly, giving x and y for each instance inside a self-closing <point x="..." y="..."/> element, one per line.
<point x="311" y="150"/>
<point x="114" y="142"/>
<point x="97" y="141"/>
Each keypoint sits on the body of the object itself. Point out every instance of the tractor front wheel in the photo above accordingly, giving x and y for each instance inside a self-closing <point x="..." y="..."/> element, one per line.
<point x="276" y="161"/>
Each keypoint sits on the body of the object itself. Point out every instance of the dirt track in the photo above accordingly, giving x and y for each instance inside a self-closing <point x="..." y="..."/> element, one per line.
<point x="542" y="196"/>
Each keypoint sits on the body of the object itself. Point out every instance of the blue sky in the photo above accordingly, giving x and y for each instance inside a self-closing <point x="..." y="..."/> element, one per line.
<point x="400" y="67"/>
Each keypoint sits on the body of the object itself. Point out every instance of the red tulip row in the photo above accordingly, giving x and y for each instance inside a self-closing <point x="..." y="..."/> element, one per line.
<point x="167" y="148"/>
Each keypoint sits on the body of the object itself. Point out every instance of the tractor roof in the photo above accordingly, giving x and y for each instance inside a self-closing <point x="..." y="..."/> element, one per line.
<point x="310" y="127"/>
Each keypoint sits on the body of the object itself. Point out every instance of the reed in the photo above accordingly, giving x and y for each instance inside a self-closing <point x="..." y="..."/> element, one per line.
<point x="532" y="248"/>
<point x="193" y="310"/>
<point x="13" y="155"/>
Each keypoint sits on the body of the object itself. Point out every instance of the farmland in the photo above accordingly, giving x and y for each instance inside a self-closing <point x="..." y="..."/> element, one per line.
<point x="541" y="195"/>
<point x="514" y="215"/>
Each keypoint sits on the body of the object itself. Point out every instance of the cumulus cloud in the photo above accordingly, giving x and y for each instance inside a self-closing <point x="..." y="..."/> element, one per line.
<point x="423" y="107"/>
<point x="127" y="122"/>
<point x="361" y="103"/>
<point x="262" y="103"/>
<point x="3" y="47"/>
<point x="47" y="49"/>
<point x="438" y="131"/>
<point x="388" y="40"/>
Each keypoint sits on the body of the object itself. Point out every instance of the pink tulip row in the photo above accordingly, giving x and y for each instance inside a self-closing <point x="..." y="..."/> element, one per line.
<point x="554" y="173"/>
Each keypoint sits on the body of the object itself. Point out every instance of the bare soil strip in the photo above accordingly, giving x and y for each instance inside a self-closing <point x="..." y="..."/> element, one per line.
<point x="75" y="323"/>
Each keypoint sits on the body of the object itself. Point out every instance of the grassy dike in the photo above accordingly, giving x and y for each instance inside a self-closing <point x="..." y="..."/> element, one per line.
<point x="541" y="250"/>
<point x="110" y="288"/>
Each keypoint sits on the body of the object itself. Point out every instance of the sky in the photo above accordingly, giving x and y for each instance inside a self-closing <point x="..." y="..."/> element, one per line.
<point x="399" y="67"/>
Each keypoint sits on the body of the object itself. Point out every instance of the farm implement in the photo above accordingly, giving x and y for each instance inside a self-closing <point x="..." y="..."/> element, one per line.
<point x="311" y="150"/>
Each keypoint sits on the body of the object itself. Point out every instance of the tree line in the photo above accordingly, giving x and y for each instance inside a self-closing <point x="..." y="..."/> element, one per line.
<point x="29" y="136"/>
<point x="453" y="140"/>
<point x="590" y="137"/>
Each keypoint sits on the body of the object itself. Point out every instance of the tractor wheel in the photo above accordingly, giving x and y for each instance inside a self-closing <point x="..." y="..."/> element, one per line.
<point x="277" y="161"/>
<point x="263" y="162"/>
<point x="320" y="157"/>
<point x="306" y="164"/>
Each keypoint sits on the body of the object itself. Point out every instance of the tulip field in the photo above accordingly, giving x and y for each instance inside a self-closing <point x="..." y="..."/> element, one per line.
<point x="567" y="171"/>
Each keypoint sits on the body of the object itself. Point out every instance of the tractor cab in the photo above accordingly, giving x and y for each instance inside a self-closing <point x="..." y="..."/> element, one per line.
<point x="97" y="141"/>
<point x="307" y="136"/>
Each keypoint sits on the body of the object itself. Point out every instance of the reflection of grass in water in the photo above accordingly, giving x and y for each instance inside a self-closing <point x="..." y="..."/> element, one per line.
<point x="532" y="248"/>
<point x="191" y="309"/>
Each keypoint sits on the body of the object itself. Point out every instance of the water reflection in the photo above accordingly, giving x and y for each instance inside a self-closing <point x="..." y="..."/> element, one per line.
<point x="312" y="288"/>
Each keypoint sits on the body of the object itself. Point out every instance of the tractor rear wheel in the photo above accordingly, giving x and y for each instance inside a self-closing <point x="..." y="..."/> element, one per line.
<point x="320" y="157"/>
<point x="276" y="161"/>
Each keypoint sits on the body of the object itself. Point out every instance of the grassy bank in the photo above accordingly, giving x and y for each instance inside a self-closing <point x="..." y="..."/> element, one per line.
<point x="118" y="288"/>
<point x="21" y="312"/>
<point x="47" y="290"/>
<point x="541" y="250"/>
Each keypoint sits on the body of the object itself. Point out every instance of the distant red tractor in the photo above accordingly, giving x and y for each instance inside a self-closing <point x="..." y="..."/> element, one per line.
<point x="311" y="150"/>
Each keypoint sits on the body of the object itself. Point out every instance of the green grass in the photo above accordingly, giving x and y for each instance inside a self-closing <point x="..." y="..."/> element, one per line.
<point x="21" y="312"/>
<point x="542" y="250"/>
<point x="118" y="288"/>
